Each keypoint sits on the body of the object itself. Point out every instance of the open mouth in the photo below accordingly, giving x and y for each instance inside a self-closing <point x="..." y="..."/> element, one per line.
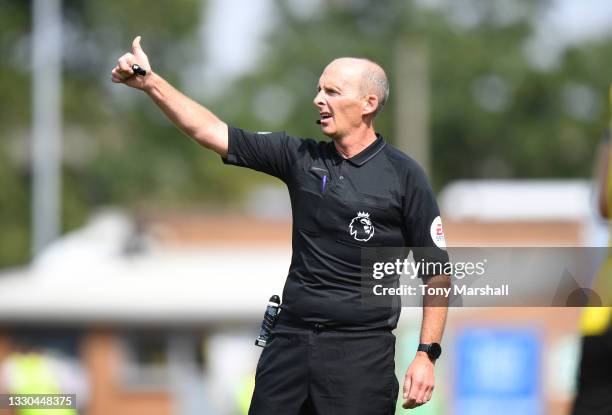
<point x="324" y="115"/>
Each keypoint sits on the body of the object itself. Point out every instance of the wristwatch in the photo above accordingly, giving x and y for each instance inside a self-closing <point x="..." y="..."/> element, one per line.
<point x="433" y="350"/>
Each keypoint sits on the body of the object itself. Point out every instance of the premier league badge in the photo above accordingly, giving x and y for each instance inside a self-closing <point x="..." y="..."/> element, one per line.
<point x="361" y="227"/>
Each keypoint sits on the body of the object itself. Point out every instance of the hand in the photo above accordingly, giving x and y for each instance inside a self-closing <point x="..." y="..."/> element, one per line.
<point x="123" y="73"/>
<point x="419" y="381"/>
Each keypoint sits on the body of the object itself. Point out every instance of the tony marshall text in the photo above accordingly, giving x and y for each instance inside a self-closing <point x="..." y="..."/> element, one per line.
<point x="462" y="289"/>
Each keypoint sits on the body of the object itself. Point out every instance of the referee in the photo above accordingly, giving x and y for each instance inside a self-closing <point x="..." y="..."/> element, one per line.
<point x="330" y="353"/>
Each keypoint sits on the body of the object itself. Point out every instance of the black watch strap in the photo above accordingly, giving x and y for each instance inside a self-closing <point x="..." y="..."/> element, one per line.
<point x="433" y="350"/>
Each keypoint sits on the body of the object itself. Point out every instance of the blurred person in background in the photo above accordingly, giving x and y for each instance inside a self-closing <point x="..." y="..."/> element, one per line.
<point x="33" y="370"/>
<point x="594" y="395"/>
<point x="329" y="353"/>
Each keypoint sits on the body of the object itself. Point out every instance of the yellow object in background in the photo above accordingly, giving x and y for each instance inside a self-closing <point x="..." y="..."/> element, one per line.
<point x="245" y="393"/>
<point x="595" y="320"/>
<point x="32" y="374"/>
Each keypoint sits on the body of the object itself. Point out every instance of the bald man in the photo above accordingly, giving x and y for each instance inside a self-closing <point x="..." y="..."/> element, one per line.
<point x="330" y="352"/>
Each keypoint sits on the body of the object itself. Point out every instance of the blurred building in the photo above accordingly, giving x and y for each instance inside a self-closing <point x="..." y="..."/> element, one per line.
<point x="162" y="311"/>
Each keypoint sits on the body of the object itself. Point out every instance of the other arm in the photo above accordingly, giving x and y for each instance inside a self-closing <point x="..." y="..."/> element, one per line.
<point x="419" y="381"/>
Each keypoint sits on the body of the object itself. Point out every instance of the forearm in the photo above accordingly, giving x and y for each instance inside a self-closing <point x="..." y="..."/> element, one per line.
<point x="192" y="118"/>
<point x="435" y="310"/>
<point x="419" y="381"/>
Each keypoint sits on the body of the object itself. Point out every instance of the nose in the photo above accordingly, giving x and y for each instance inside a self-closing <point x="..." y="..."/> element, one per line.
<point x="318" y="99"/>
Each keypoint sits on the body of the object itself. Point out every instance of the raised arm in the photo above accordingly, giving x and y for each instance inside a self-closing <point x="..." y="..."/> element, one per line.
<point x="192" y="118"/>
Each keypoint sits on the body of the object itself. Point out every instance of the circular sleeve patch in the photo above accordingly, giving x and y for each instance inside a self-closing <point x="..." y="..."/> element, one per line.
<point x="437" y="233"/>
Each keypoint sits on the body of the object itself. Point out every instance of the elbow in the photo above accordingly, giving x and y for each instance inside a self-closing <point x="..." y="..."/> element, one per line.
<point x="446" y="280"/>
<point x="213" y="137"/>
<point x="440" y="281"/>
<point x="209" y="135"/>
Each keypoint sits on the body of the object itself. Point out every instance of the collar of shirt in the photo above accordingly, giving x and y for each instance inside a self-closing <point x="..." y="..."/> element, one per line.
<point x="363" y="156"/>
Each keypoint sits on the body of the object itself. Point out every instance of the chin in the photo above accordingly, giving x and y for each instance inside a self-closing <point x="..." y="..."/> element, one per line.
<point x="329" y="132"/>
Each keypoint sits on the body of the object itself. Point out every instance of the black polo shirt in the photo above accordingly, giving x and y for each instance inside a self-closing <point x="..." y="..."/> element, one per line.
<point x="377" y="198"/>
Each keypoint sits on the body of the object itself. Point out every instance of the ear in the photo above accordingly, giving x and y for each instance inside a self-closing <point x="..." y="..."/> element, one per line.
<point x="370" y="104"/>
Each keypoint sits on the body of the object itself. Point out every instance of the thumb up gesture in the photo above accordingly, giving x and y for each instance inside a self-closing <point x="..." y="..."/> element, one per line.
<point x="123" y="72"/>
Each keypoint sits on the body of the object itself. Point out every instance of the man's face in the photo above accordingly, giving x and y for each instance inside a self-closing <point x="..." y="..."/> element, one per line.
<point x="340" y="99"/>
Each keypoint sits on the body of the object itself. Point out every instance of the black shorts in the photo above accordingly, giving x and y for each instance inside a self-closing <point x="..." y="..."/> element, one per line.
<point x="595" y="377"/>
<point x="306" y="371"/>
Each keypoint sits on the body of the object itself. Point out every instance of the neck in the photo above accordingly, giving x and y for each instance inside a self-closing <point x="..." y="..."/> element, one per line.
<point x="354" y="143"/>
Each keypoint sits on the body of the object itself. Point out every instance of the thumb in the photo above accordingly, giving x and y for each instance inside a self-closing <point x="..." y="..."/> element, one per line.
<point x="136" y="49"/>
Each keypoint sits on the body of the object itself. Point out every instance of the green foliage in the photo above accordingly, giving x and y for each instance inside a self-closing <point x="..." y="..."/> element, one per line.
<point x="115" y="152"/>
<point x="14" y="220"/>
<point x="529" y="135"/>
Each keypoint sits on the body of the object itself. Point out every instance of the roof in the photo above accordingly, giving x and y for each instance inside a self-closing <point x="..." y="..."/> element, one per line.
<point x="181" y="286"/>
<point x="92" y="275"/>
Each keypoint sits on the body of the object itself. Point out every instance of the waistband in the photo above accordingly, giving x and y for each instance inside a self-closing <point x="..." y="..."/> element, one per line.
<point x="293" y="323"/>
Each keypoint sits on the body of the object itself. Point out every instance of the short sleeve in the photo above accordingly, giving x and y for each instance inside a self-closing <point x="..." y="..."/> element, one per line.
<point x="422" y="220"/>
<point x="273" y="153"/>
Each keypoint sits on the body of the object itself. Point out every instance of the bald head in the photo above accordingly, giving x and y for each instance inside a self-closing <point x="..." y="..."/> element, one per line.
<point x="371" y="76"/>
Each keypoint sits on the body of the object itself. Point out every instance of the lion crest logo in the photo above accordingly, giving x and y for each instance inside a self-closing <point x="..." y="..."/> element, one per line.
<point x="361" y="227"/>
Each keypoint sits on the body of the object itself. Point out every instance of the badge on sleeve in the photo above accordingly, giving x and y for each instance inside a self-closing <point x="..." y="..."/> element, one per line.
<point x="437" y="233"/>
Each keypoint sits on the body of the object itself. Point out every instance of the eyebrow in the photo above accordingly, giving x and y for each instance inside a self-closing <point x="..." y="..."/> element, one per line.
<point x="334" y="87"/>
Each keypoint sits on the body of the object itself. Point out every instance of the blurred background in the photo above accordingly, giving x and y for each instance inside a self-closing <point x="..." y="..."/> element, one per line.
<point x="135" y="267"/>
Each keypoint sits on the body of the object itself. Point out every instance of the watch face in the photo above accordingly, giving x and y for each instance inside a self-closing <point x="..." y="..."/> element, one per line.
<point x="434" y="351"/>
